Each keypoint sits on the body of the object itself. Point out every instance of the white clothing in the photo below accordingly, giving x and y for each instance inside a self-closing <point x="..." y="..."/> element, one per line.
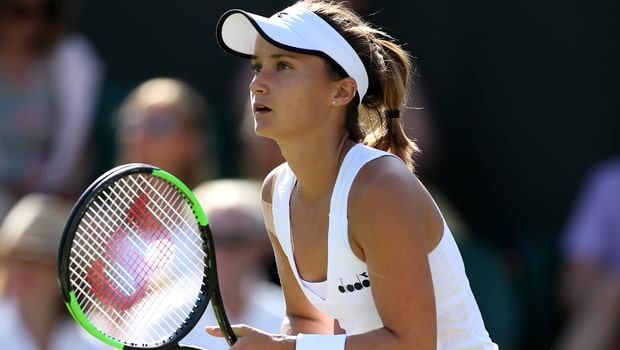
<point x="349" y="293"/>
<point x="46" y="119"/>
<point x="265" y="311"/>
<point x="78" y="74"/>
<point x="68" y="335"/>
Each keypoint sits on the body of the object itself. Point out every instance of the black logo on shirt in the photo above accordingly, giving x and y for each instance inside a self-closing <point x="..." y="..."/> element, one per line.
<point x="360" y="284"/>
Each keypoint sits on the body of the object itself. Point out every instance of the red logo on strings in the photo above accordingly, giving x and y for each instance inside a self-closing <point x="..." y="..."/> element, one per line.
<point x="133" y="253"/>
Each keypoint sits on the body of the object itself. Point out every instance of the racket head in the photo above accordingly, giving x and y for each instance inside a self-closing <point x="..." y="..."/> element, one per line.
<point x="136" y="263"/>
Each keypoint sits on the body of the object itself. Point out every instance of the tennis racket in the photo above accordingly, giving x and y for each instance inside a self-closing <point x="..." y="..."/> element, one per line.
<point x="136" y="262"/>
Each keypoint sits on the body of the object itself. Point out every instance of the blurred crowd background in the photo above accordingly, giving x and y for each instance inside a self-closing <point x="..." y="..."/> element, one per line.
<point x="515" y="107"/>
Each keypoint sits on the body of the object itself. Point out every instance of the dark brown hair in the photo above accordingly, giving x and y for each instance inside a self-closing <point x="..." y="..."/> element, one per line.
<point x="58" y="20"/>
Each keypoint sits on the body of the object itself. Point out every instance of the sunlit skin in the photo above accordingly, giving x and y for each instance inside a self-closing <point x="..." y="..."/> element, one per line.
<point x="296" y="92"/>
<point x="393" y="222"/>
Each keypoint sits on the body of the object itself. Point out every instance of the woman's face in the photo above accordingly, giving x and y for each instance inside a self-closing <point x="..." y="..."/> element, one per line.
<point x="23" y="20"/>
<point x="291" y="92"/>
<point x="158" y="136"/>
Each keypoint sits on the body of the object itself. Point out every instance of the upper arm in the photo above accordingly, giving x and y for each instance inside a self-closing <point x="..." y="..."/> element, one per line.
<point x="394" y="221"/>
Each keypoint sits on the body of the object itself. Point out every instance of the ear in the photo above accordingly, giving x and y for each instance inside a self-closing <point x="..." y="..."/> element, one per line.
<point x="345" y="92"/>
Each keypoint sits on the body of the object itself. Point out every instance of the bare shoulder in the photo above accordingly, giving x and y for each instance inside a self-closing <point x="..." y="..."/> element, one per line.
<point x="387" y="196"/>
<point x="386" y="178"/>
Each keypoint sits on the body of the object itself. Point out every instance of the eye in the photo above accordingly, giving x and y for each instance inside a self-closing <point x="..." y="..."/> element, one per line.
<point x="257" y="67"/>
<point x="283" y="66"/>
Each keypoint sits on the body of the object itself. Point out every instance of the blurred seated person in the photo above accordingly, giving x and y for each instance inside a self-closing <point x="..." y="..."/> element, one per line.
<point x="34" y="316"/>
<point x="233" y="207"/>
<point x="590" y="283"/>
<point x="49" y="86"/>
<point x="165" y="122"/>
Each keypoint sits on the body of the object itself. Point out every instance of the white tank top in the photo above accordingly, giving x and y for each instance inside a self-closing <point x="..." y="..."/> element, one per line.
<point x="348" y="298"/>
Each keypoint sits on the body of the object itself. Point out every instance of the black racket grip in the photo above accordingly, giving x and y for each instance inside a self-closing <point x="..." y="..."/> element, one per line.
<point x="222" y="319"/>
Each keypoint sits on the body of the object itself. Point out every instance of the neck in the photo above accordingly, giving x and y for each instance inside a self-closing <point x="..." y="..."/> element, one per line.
<point x="316" y="167"/>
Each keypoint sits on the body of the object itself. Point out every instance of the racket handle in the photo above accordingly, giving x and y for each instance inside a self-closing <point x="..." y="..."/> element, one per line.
<point x="222" y="319"/>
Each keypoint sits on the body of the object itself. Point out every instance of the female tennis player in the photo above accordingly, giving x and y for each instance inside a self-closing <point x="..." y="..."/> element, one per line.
<point x="365" y="258"/>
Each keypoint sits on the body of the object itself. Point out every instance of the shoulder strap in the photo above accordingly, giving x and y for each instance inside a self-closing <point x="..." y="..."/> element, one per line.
<point x="281" y="193"/>
<point x="281" y="212"/>
<point x="355" y="159"/>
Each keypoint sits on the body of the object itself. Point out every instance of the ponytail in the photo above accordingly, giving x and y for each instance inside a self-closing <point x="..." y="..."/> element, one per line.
<point x="391" y="67"/>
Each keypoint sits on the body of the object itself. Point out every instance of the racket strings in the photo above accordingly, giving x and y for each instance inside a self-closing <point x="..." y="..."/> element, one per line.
<point x="169" y="194"/>
<point x="133" y="221"/>
<point x="137" y="250"/>
<point x="193" y="249"/>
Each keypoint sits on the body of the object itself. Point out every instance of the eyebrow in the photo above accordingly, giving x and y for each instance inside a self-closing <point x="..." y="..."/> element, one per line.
<point x="275" y="56"/>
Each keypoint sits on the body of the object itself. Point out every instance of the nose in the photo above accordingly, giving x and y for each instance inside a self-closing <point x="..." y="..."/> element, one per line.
<point x="258" y="84"/>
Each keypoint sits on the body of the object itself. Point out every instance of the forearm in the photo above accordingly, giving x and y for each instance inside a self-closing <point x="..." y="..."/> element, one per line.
<point x="292" y="325"/>
<point x="377" y="339"/>
<point x="382" y="338"/>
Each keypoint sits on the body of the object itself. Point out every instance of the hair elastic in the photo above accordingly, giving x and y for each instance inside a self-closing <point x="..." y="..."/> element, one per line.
<point x="392" y="113"/>
<point x="320" y="342"/>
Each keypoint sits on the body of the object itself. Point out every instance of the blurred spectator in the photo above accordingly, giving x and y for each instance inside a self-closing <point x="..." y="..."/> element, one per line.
<point x="4" y="208"/>
<point x="233" y="208"/>
<point x="33" y="315"/>
<point x="49" y="85"/>
<point x="5" y="202"/>
<point x="590" y="287"/>
<point x="164" y="122"/>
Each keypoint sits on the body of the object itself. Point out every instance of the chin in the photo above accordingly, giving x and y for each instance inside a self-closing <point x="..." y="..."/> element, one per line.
<point x="262" y="129"/>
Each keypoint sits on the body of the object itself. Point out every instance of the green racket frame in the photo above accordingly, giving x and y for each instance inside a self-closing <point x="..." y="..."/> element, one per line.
<point x="210" y="291"/>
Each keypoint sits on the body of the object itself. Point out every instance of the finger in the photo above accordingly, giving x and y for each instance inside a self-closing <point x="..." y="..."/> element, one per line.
<point x="214" y="331"/>
<point x="239" y="330"/>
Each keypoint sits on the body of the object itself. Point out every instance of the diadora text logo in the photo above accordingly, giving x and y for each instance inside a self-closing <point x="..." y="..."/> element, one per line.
<point x="357" y="284"/>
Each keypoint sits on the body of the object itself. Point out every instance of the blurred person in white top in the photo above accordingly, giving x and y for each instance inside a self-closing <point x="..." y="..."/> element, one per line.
<point x="33" y="315"/>
<point x="50" y="83"/>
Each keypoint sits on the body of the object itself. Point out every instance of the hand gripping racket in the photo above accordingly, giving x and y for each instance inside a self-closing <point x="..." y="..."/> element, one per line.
<point x="136" y="262"/>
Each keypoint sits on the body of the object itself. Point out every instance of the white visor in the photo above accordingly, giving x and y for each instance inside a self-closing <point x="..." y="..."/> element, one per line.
<point x="294" y="29"/>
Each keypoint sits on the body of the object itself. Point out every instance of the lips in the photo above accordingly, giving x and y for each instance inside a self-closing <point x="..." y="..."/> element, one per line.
<point x="260" y="108"/>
